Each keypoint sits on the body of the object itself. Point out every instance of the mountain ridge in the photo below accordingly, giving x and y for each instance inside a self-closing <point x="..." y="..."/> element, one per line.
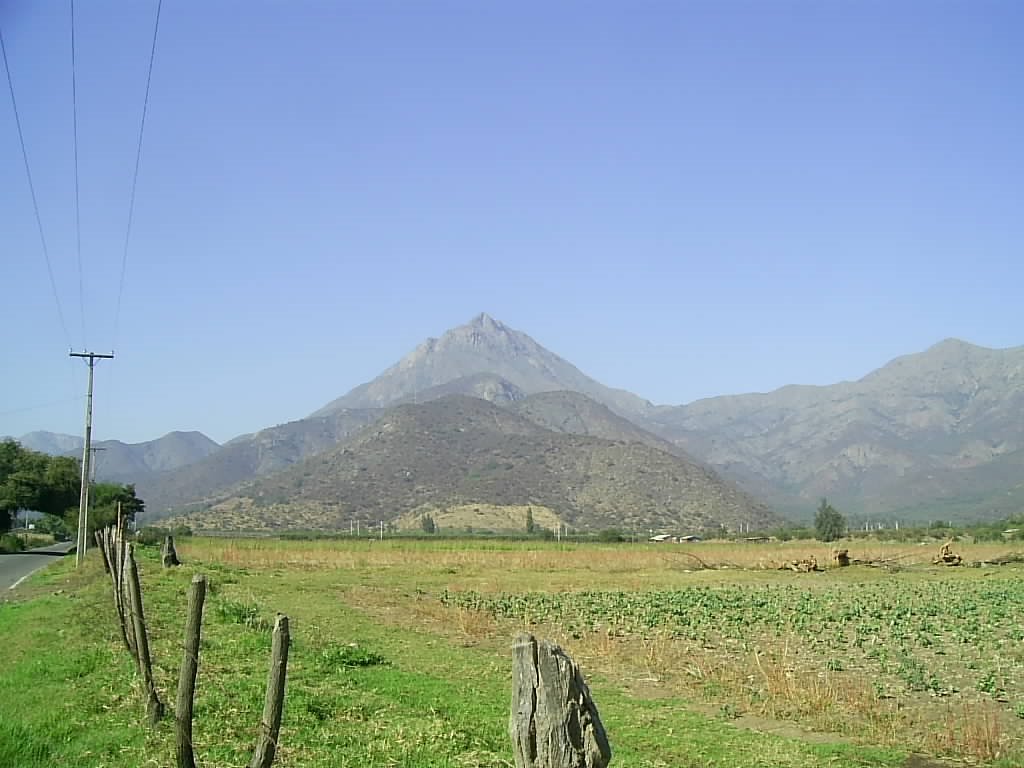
<point x="117" y="461"/>
<point x="459" y="450"/>
<point x="939" y="428"/>
<point x="882" y="443"/>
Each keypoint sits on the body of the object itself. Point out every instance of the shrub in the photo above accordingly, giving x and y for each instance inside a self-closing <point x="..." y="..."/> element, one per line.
<point x="9" y="543"/>
<point x="246" y="614"/>
<point x="352" y="655"/>
<point x="151" y="536"/>
<point x="829" y="524"/>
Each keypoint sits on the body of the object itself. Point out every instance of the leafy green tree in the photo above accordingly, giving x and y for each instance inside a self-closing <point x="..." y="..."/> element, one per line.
<point x="428" y="524"/>
<point x="61" y="487"/>
<point x="829" y="524"/>
<point x="33" y="480"/>
<point x="103" y="499"/>
<point x="531" y="527"/>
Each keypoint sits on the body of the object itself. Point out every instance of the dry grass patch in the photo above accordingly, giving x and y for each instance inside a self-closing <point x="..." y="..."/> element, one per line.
<point x="482" y="517"/>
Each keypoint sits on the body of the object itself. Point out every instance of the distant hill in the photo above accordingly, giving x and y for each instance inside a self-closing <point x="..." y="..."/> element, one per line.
<point x="128" y="462"/>
<point x="932" y="435"/>
<point x="482" y="346"/>
<point x="52" y="443"/>
<point x="486" y="386"/>
<point x="575" y="414"/>
<point x="459" y="451"/>
<point x="248" y="456"/>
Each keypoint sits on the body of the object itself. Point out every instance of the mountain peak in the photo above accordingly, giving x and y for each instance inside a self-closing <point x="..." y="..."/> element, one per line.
<point x="953" y="345"/>
<point x="483" y="320"/>
<point x="481" y="346"/>
<point x="483" y="331"/>
<point x="481" y="325"/>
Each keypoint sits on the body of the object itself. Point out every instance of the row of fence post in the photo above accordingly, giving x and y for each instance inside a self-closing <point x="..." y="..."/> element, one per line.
<point x="554" y="721"/>
<point x="119" y="561"/>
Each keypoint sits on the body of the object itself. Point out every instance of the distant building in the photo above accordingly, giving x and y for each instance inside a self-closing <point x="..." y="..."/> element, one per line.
<point x="663" y="537"/>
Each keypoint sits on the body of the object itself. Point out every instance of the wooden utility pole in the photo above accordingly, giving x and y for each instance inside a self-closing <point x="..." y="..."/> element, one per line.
<point x="92" y="467"/>
<point x="83" y="501"/>
<point x="92" y="482"/>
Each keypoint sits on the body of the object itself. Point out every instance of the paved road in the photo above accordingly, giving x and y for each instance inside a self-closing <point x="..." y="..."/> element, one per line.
<point x="14" y="568"/>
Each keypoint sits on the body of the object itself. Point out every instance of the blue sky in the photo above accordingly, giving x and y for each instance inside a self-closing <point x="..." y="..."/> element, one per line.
<point x="684" y="199"/>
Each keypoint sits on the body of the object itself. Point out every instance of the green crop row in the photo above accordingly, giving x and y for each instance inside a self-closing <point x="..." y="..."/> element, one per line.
<point x="983" y="614"/>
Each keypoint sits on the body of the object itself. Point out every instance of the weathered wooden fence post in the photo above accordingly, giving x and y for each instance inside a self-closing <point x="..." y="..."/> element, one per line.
<point x="554" y="721"/>
<point x="189" y="668"/>
<point x="270" y="725"/>
<point x="109" y="548"/>
<point x="100" y="537"/>
<point x="154" y="707"/>
<point x="168" y="553"/>
<point x="124" y="591"/>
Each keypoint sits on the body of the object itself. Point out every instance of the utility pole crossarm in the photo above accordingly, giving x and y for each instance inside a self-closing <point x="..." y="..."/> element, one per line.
<point x="83" y="503"/>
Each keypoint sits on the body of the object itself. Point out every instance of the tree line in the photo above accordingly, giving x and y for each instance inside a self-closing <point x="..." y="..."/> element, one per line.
<point x="51" y="485"/>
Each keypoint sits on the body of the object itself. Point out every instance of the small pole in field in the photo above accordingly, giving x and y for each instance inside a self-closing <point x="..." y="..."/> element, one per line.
<point x="270" y="725"/>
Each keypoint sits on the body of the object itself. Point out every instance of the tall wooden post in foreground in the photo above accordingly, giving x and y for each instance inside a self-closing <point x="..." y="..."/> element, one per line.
<point x="270" y="725"/>
<point x="189" y="669"/>
<point x="554" y="721"/>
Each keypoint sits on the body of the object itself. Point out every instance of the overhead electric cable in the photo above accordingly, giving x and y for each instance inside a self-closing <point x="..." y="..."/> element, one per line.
<point x="135" y="175"/>
<point x="78" y="214"/>
<point x="32" y="191"/>
<point x="43" y="405"/>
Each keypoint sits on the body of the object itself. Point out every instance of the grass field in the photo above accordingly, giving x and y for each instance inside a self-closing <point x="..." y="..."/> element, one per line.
<point x="697" y="655"/>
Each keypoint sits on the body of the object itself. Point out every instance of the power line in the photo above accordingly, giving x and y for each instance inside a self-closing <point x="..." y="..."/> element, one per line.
<point x="32" y="191"/>
<point x="135" y="175"/>
<point x="78" y="214"/>
<point x="41" y="405"/>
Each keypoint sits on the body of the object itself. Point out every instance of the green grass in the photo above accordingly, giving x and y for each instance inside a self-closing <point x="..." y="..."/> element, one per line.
<point x="365" y="686"/>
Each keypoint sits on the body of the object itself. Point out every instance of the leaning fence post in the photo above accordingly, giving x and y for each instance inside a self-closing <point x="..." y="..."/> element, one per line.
<point x="270" y="725"/>
<point x="109" y="549"/>
<point x="154" y="707"/>
<point x="189" y="668"/>
<point x="124" y="594"/>
<point x="554" y="721"/>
